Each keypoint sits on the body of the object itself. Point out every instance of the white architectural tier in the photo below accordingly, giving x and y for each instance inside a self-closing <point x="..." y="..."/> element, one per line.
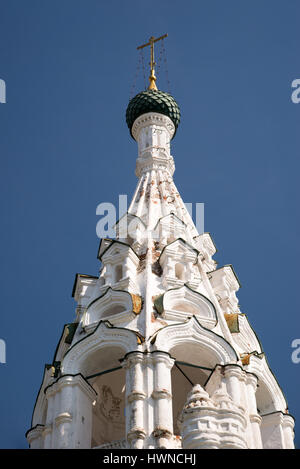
<point x="159" y="354"/>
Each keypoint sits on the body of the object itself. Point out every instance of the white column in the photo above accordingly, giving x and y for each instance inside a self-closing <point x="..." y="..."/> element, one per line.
<point x="233" y="384"/>
<point x="135" y="396"/>
<point x="70" y="413"/>
<point x="48" y="428"/>
<point x="245" y="402"/>
<point x="162" y="396"/>
<point x="236" y="387"/>
<point x="255" y="419"/>
<point x="288" y="431"/>
<point x="64" y="415"/>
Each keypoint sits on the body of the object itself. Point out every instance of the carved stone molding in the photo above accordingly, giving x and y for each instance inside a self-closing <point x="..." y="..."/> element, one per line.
<point x="152" y="118"/>
<point x="103" y="336"/>
<point x="191" y="332"/>
<point x="64" y="417"/>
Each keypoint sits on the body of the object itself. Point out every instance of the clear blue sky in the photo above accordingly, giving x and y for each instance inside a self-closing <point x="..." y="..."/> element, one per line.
<point x="64" y="145"/>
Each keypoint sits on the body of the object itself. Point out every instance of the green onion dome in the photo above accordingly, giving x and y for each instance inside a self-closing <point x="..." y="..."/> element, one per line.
<point x="152" y="101"/>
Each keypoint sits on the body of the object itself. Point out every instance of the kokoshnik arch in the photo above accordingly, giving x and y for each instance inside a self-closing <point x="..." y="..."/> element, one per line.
<point x="159" y="354"/>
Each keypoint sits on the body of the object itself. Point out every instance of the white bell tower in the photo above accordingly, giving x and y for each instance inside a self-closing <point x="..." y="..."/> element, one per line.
<point x="159" y="354"/>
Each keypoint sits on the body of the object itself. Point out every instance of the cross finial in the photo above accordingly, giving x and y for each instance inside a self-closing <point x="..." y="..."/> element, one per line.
<point x="152" y="77"/>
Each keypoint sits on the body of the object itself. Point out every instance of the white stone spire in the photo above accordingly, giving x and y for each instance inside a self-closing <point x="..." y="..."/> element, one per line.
<point x="160" y="213"/>
<point x="160" y="229"/>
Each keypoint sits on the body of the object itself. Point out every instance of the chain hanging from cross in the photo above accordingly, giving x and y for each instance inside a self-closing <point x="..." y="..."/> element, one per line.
<point x="152" y="77"/>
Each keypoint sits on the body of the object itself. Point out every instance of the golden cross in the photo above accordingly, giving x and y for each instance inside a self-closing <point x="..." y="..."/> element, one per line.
<point x="152" y="77"/>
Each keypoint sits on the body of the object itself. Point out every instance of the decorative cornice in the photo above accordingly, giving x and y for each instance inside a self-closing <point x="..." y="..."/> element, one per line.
<point x="186" y="293"/>
<point x="34" y="433"/>
<point x="171" y="247"/>
<point x="278" y="417"/>
<point x="122" y="246"/>
<point x="70" y="380"/>
<point x="79" y="279"/>
<point x="233" y="370"/>
<point x="192" y="331"/>
<point x="152" y="118"/>
<point x="104" y="335"/>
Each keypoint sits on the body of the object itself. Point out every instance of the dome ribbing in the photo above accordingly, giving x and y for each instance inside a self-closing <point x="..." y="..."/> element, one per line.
<point x="152" y="101"/>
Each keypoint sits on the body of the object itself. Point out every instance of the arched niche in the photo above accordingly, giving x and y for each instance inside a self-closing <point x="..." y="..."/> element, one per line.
<point x="114" y="305"/>
<point x="192" y="334"/>
<point x="100" y="350"/>
<point x="272" y="407"/>
<point x="108" y="420"/>
<point x="269" y="396"/>
<point x="98" y="357"/>
<point x="182" y="303"/>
